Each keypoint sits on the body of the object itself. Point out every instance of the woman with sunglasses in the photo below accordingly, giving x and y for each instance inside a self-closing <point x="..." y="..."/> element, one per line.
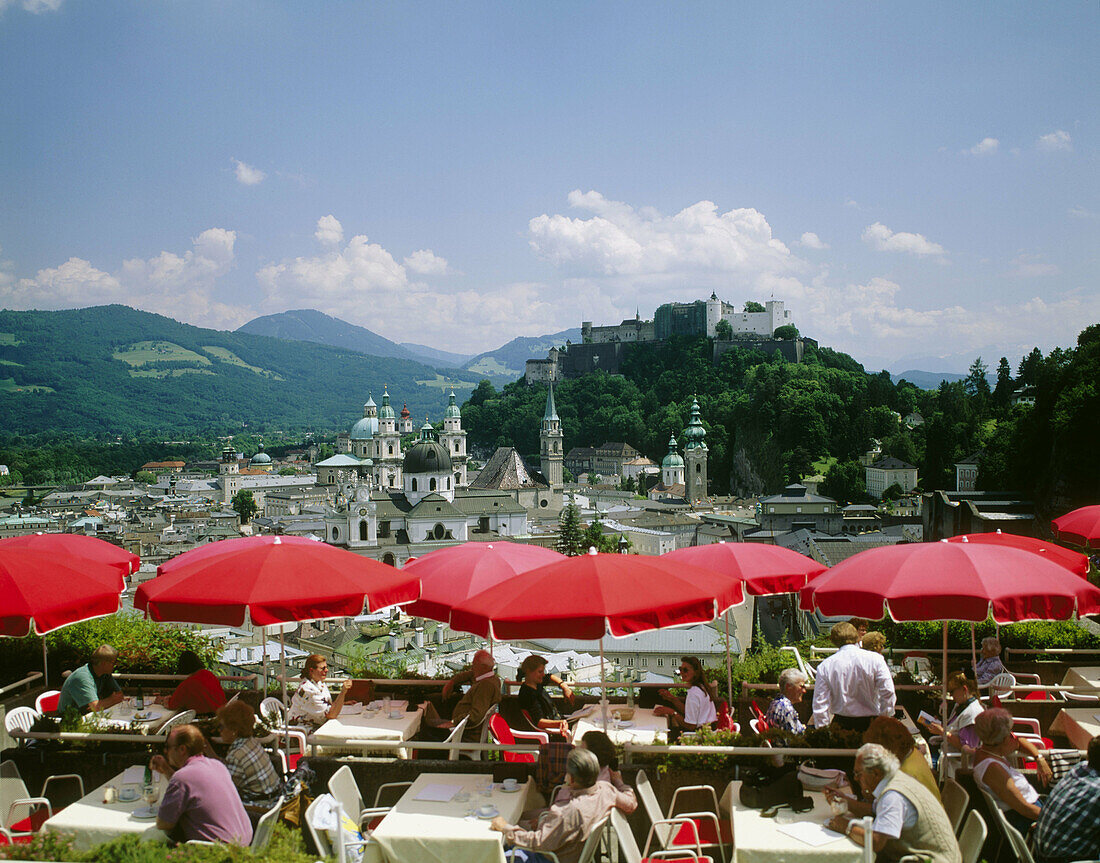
<point x="696" y="708"/>
<point x="312" y="705"/>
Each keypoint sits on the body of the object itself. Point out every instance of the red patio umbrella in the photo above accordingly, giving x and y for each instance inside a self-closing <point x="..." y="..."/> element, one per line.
<point x="1081" y="527"/>
<point x="450" y="575"/>
<point x="271" y="579"/>
<point x="41" y="591"/>
<point x="1071" y="560"/>
<point x="78" y="546"/>
<point x="950" y="581"/>
<point x="765" y="570"/>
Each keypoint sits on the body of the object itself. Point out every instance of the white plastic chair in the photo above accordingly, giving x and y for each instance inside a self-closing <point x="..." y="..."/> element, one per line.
<point x="14" y="793"/>
<point x="181" y="718"/>
<point x="265" y="827"/>
<point x="972" y="837"/>
<point x="628" y="847"/>
<point x="1080" y="696"/>
<point x="1001" y="686"/>
<point x="955" y="800"/>
<point x="483" y="736"/>
<point x="273" y="714"/>
<point x="588" y="852"/>
<point x="345" y="789"/>
<point x="1019" y="845"/>
<point x="50" y="696"/>
<point x="455" y="738"/>
<point x="21" y="719"/>
<point x="669" y="831"/>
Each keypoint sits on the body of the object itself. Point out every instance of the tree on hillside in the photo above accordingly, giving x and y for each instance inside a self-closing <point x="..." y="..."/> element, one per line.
<point x="1028" y="372"/>
<point x="145" y="476"/>
<point x="723" y="331"/>
<point x="570" y="535"/>
<point x="786" y="332"/>
<point x="244" y="505"/>
<point x="845" y="482"/>
<point x="1002" y="393"/>
<point x="754" y="306"/>
<point x="977" y="384"/>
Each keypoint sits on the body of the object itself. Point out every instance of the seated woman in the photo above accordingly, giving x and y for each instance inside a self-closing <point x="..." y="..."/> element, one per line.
<point x="958" y="731"/>
<point x="247" y="761"/>
<point x="201" y="692"/>
<point x="1013" y="794"/>
<point x="892" y="733"/>
<point x="990" y="665"/>
<point x="781" y="712"/>
<point x="696" y="709"/>
<point x="312" y="705"/>
<point x="600" y="745"/>
<point x="566" y="826"/>
<point x="534" y="700"/>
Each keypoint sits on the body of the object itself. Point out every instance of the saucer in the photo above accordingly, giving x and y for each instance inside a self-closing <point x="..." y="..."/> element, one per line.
<point x="511" y="790"/>
<point x="396" y="714"/>
<point x="488" y="816"/>
<point x="624" y="724"/>
<point x="145" y="813"/>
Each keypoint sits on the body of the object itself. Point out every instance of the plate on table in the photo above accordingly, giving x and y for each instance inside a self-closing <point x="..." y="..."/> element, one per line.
<point x="626" y="723"/>
<point x="143" y="714"/>
<point x="519" y="786"/>
<point x="351" y="709"/>
<point x="145" y="813"/>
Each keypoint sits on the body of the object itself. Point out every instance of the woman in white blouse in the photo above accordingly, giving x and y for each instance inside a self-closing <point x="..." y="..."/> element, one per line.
<point x="696" y="708"/>
<point x="312" y="705"/>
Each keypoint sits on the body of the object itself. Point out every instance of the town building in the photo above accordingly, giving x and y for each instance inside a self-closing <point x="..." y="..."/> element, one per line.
<point x="887" y="472"/>
<point x="796" y="509"/>
<point x="966" y="472"/>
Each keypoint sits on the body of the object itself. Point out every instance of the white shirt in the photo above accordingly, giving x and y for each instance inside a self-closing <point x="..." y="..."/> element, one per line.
<point x="698" y="708"/>
<point x="893" y="813"/>
<point x="310" y="704"/>
<point x="852" y="682"/>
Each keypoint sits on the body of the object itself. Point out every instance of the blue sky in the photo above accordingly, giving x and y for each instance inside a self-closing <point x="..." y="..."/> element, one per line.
<point x="915" y="181"/>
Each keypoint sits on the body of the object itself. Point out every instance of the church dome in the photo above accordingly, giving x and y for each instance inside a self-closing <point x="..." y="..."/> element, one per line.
<point x="673" y="459"/>
<point x="427" y="455"/>
<point x="386" y="411"/>
<point x="452" y="411"/>
<point x="260" y="458"/>
<point x="364" y="429"/>
<point x="405" y="413"/>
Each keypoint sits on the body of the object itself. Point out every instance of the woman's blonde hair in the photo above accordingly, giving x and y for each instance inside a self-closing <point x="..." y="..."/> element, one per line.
<point x="875" y="641"/>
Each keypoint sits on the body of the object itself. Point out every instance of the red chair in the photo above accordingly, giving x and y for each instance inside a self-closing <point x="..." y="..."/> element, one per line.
<point x="503" y="735"/>
<point x="725" y="721"/>
<point x="47" y="701"/>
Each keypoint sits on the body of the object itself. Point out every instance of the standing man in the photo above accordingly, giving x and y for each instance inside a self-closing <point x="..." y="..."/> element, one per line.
<point x="91" y="687"/>
<point x="1069" y="824"/>
<point x="852" y="686"/>
<point x="201" y="801"/>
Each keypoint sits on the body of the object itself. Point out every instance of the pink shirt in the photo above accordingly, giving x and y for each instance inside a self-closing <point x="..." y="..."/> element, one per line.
<point x="202" y="801"/>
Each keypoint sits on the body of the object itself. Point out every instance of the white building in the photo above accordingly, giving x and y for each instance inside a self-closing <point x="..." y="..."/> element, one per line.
<point x="763" y="323"/>
<point x="888" y="471"/>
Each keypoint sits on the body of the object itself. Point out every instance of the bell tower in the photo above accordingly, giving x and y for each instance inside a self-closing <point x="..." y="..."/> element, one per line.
<point x="695" y="456"/>
<point x="551" y="444"/>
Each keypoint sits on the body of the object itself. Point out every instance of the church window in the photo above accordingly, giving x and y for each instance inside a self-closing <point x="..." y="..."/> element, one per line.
<point x="448" y="483"/>
<point x="383" y="529"/>
<point x="414" y="484"/>
<point x="439" y="532"/>
<point x="391" y="449"/>
<point x="363" y="531"/>
<point x="431" y="484"/>
<point x="389" y="480"/>
<point x="698" y="468"/>
<point x="660" y="662"/>
<point x="630" y="661"/>
<point x="544" y="502"/>
<point x="335" y="534"/>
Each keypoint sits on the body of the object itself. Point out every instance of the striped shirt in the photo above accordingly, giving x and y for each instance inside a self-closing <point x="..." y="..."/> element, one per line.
<point x="250" y="766"/>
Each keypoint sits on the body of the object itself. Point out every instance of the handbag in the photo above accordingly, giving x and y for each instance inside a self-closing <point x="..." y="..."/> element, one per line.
<point x="761" y="792"/>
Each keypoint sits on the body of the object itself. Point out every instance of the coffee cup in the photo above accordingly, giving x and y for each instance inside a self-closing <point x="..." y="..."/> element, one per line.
<point x="396" y="714"/>
<point x="128" y="793"/>
<point x="486" y="811"/>
<point x="510" y="784"/>
<point x="838" y="805"/>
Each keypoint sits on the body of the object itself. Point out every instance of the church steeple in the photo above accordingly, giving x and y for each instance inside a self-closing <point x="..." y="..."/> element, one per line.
<point x="551" y="444"/>
<point x="695" y="456"/>
<point x="454" y="438"/>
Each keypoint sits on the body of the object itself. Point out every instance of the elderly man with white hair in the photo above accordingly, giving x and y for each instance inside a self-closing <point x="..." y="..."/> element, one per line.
<point x="907" y="818"/>
<point x="990" y="665"/>
<point x="781" y="712"/>
<point x="565" y="826"/>
<point x="484" y="692"/>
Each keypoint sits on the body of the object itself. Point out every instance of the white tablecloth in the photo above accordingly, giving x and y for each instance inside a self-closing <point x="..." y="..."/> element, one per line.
<point x="91" y="821"/>
<point x="1082" y="676"/>
<point x="121" y="715"/>
<point x="338" y="733"/>
<point x="1079" y="724"/>
<point x="759" y="840"/>
<point x="442" y="832"/>
<point x="643" y="728"/>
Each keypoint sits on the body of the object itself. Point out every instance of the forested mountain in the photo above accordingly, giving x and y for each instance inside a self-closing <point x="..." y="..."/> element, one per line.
<point x="769" y="421"/>
<point x="310" y="325"/>
<point x="115" y="370"/>
<point x="508" y="362"/>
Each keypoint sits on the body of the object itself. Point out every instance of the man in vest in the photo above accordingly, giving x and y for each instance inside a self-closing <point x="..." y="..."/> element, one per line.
<point x="907" y="818"/>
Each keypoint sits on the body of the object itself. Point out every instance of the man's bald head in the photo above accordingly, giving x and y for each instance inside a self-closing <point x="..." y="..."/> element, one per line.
<point x="483" y="661"/>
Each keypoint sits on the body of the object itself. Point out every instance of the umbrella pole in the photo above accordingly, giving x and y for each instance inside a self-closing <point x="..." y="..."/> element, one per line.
<point x="45" y="667"/>
<point x="973" y="655"/>
<point x="264" y="643"/>
<point x="603" y="689"/>
<point x="729" y="662"/>
<point x="282" y="661"/>
<point x="943" y="704"/>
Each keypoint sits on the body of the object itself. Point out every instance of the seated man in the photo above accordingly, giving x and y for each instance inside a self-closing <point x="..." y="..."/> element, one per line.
<point x="1069" y="825"/>
<point x="200" y="801"/>
<point x="566" y="826"/>
<point x="483" y="693"/>
<point x="91" y="687"/>
<point x="907" y="818"/>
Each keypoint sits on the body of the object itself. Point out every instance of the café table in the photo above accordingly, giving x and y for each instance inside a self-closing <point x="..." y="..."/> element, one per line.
<point x="1079" y="724"/>
<point x="772" y="840"/>
<point x="123" y="714"/>
<point x="643" y="727"/>
<point x="358" y="725"/>
<point x="1082" y="677"/>
<point x="431" y="823"/>
<point x="90" y="821"/>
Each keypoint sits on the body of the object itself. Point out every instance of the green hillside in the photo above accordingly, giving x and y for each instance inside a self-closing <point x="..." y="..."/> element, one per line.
<point x="115" y="370"/>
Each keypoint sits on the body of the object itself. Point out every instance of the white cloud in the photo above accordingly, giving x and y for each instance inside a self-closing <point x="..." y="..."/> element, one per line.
<point x="1027" y="266"/>
<point x="854" y="204"/>
<point x="36" y="7"/>
<point x="985" y="147"/>
<point x="1055" y="141"/>
<point x="881" y="238"/>
<point x="361" y="282"/>
<point x="247" y="175"/>
<point x="1081" y="213"/>
<point x="329" y="231"/>
<point x="426" y="263"/>
<point x="812" y="241"/>
<point x="179" y="286"/>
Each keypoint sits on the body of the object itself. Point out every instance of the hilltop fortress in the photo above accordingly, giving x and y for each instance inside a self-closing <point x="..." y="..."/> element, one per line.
<point x="604" y="347"/>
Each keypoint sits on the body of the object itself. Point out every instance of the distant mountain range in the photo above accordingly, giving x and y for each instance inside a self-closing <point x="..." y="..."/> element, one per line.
<point x="927" y="380"/>
<point x="115" y="370"/>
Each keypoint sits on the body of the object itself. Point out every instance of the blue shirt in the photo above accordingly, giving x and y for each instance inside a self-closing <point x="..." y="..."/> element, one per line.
<point x="781" y="714"/>
<point x="1069" y="824"/>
